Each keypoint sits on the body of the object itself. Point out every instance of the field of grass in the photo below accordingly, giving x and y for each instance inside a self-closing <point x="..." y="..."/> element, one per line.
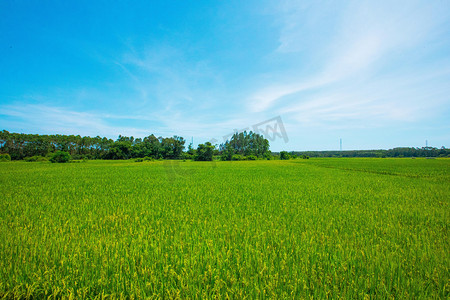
<point x="257" y="229"/>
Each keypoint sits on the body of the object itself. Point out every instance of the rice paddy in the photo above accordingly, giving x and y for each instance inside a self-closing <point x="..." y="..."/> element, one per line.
<point x="349" y="228"/>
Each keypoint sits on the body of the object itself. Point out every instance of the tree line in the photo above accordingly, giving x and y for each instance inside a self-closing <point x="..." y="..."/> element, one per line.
<point x="25" y="146"/>
<point x="241" y="146"/>
<point x="395" y="152"/>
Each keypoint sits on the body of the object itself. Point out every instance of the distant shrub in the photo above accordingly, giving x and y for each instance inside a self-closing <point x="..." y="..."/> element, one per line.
<point x="139" y="159"/>
<point x="5" y="157"/>
<point x="226" y="155"/>
<point x="30" y="159"/>
<point x="60" y="157"/>
<point x="77" y="161"/>
<point x="252" y="157"/>
<point x="148" y="158"/>
<point x="268" y="156"/>
<point x="186" y="155"/>
<point x="35" y="158"/>
<point x="80" y="157"/>
<point x="237" y="157"/>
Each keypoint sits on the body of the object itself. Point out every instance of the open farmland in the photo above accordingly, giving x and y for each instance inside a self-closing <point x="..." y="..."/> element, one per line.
<point x="290" y="229"/>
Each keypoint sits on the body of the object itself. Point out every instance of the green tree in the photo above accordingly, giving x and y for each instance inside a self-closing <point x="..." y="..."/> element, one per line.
<point x="204" y="152"/>
<point x="172" y="147"/>
<point x="60" y="157"/>
<point x="227" y="153"/>
<point x="284" y="155"/>
<point x="120" y="150"/>
<point x="244" y="143"/>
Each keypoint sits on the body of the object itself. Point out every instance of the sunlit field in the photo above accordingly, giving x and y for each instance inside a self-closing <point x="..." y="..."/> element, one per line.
<point x="258" y="229"/>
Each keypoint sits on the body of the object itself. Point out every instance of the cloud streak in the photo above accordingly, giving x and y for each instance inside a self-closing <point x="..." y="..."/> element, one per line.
<point x="59" y="120"/>
<point x="370" y="36"/>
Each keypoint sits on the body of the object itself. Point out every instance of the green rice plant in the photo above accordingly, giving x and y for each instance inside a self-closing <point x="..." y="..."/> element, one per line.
<point x="338" y="228"/>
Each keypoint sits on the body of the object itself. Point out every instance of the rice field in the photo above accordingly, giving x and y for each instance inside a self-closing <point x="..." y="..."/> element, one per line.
<point x="337" y="228"/>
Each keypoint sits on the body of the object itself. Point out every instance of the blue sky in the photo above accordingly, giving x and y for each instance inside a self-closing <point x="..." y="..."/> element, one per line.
<point x="374" y="73"/>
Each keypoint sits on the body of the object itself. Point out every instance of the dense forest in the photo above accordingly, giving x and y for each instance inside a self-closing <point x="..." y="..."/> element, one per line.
<point x="241" y="146"/>
<point x="22" y="146"/>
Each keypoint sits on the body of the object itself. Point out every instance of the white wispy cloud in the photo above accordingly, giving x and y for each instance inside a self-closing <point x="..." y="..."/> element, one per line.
<point x="378" y="103"/>
<point x="368" y="37"/>
<point x="60" y="120"/>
